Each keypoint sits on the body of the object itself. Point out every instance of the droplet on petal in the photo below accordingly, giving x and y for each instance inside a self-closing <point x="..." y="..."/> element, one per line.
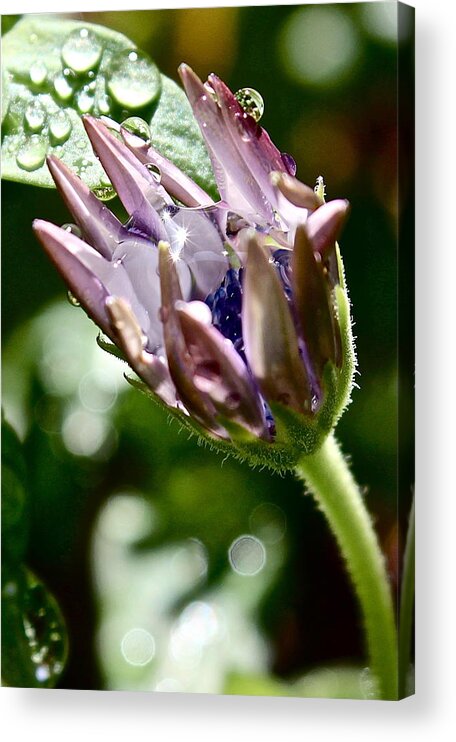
<point x="251" y="102"/>
<point x="137" y="126"/>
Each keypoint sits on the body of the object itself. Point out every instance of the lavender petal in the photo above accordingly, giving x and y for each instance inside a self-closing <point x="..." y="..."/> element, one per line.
<point x="137" y="188"/>
<point x="220" y="373"/>
<point x="271" y="342"/>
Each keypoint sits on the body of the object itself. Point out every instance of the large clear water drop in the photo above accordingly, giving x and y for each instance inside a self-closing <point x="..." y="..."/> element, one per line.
<point x="134" y="80"/>
<point x="82" y="50"/>
<point x="32" y="153"/>
<point x="137" y="126"/>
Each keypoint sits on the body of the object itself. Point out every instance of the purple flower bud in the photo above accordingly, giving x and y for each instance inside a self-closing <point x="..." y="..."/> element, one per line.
<point x="232" y="313"/>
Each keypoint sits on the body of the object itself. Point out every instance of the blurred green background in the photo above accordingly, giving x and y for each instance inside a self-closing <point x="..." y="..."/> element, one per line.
<point x="175" y="570"/>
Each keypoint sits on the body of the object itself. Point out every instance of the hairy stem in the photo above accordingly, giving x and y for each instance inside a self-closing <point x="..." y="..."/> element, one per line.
<point x="330" y="481"/>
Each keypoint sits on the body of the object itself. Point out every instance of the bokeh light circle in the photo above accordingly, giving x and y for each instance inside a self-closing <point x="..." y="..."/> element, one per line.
<point x="247" y="555"/>
<point x="138" y="647"/>
<point x="318" y="46"/>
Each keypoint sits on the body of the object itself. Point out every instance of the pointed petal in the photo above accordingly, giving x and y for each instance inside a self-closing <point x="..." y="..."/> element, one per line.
<point x="271" y="343"/>
<point x="130" y="339"/>
<point x="234" y="179"/>
<point x="297" y="193"/>
<point x="313" y="303"/>
<point x="181" y="366"/>
<point x="196" y="241"/>
<point x="83" y="283"/>
<point x="220" y="372"/>
<point x="137" y="188"/>
<point x="173" y="179"/>
<point x="252" y="141"/>
<point x="97" y="223"/>
<point x="325" y="224"/>
<point x="112" y="275"/>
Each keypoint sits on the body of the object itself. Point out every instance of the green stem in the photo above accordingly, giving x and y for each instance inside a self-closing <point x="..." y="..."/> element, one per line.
<point x="328" y="477"/>
<point x="407" y="602"/>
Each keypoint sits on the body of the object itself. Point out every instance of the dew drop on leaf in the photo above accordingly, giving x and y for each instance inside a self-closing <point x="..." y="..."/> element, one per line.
<point x="60" y="127"/>
<point x="85" y="99"/>
<point x="82" y="50"/>
<point x="137" y="126"/>
<point x="134" y="80"/>
<point x="42" y="629"/>
<point x="251" y="102"/>
<point x="38" y="73"/>
<point x="104" y="103"/>
<point x="32" y="153"/>
<point x="63" y="86"/>
<point x="35" y="116"/>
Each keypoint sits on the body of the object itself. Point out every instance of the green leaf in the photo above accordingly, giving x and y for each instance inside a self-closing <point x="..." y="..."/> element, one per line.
<point x="56" y="70"/>
<point x="15" y="520"/>
<point x="34" y="643"/>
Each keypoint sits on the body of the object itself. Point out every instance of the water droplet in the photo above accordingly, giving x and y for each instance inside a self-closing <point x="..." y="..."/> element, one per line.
<point x="211" y="92"/>
<point x="155" y="171"/>
<point x="60" y="127"/>
<point x="38" y="73"/>
<point x="35" y="115"/>
<point x="63" y="85"/>
<point x="104" y="103"/>
<point x="134" y="80"/>
<point x="251" y="102"/>
<point x="12" y="145"/>
<point x="72" y="229"/>
<point x="85" y="99"/>
<point x="137" y="126"/>
<point x="82" y="50"/>
<point x="32" y="153"/>
<point x="104" y="193"/>
<point x="72" y="299"/>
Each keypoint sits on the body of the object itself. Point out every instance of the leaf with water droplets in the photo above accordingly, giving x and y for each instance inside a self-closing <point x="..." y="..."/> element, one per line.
<point x="56" y="70"/>
<point x="34" y="640"/>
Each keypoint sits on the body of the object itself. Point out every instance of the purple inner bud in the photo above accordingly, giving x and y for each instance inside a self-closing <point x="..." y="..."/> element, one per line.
<point x="226" y="305"/>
